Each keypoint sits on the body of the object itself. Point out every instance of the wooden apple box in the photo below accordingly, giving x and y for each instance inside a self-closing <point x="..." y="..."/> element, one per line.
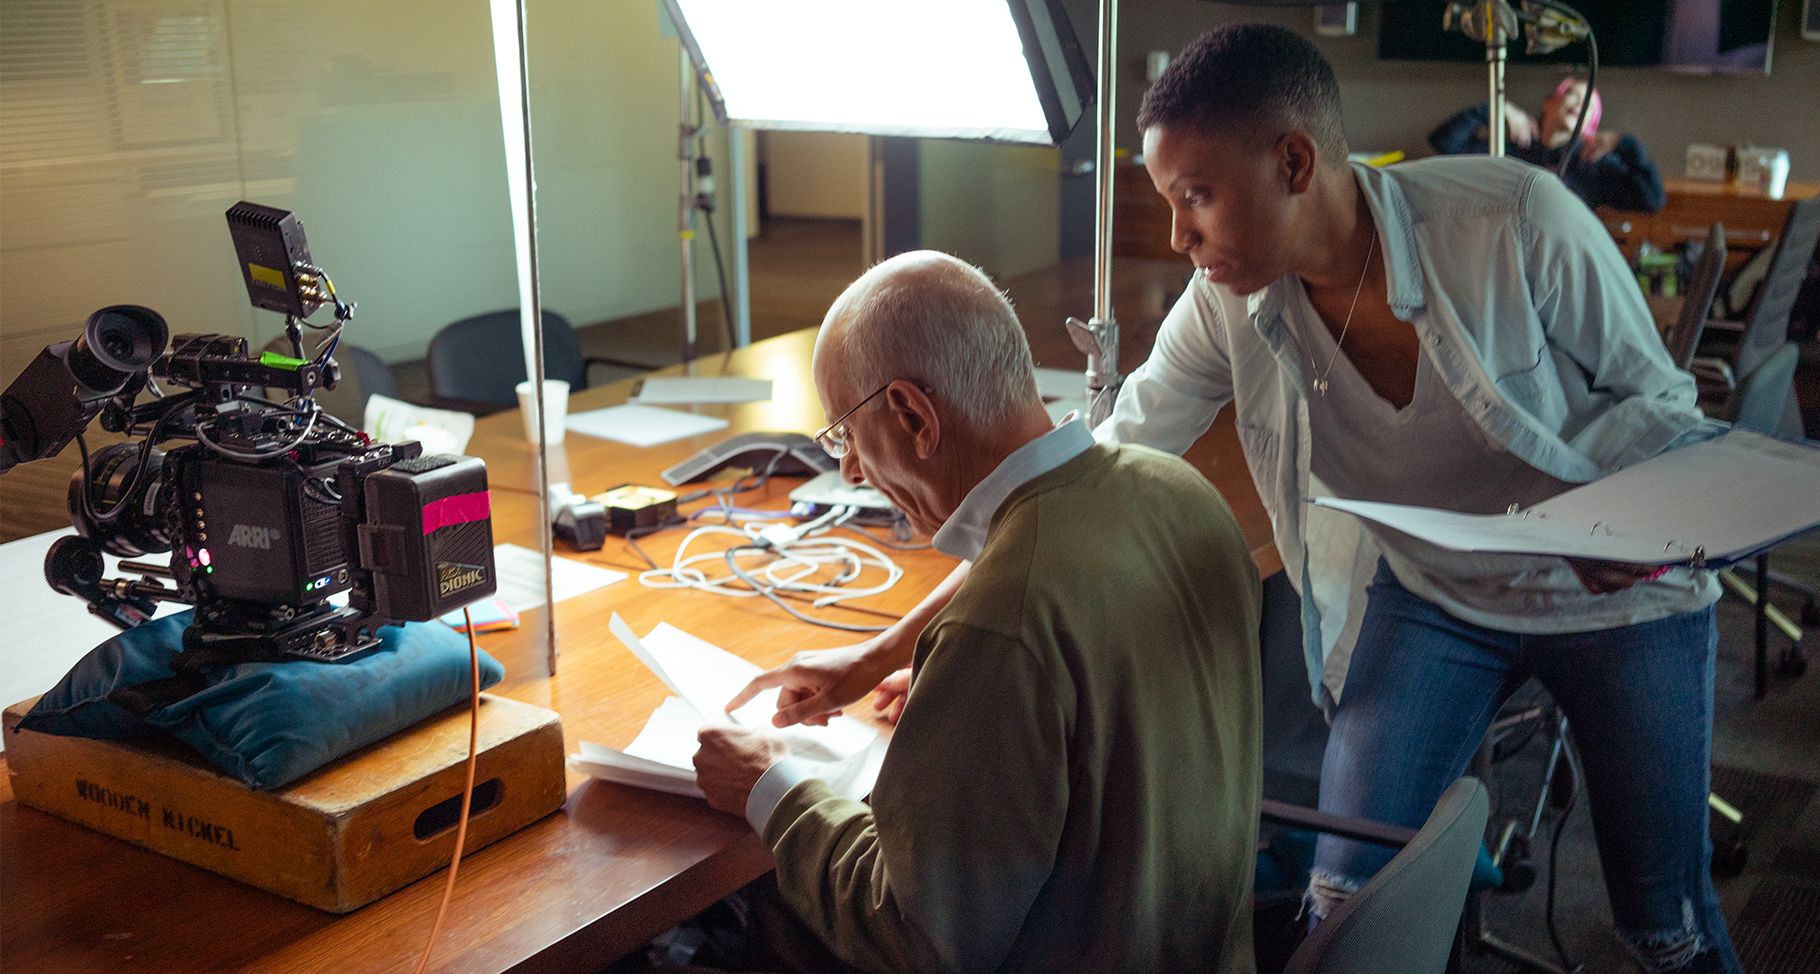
<point x="343" y="836"/>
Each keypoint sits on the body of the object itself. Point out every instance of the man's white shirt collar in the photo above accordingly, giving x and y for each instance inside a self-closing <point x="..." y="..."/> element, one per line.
<point x="964" y="534"/>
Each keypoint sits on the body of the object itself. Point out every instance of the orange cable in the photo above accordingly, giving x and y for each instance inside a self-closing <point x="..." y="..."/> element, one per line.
<point x="467" y="794"/>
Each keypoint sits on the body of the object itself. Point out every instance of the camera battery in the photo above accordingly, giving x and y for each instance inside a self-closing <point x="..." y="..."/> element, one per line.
<point x="632" y="506"/>
<point x="428" y="536"/>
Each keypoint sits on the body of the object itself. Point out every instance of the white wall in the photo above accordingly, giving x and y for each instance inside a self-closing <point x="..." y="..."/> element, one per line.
<point x="996" y="206"/>
<point x="816" y="174"/>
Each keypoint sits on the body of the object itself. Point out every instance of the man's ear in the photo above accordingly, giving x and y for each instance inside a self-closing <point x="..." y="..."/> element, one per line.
<point x="915" y="413"/>
<point x="1296" y="160"/>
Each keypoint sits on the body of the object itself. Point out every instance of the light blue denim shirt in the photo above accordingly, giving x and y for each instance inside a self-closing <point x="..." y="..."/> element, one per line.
<point x="1526" y="310"/>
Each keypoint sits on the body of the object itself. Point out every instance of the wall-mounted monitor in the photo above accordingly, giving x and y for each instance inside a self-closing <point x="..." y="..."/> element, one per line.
<point x="1696" y="36"/>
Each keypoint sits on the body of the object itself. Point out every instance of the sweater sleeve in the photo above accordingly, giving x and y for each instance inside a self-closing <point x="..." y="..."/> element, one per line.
<point x="1626" y="178"/>
<point x="1464" y="133"/>
<point x="941" y="870"/>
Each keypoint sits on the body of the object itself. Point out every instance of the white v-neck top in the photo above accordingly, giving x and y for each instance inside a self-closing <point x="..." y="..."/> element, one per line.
<point x="1431" y="453"/>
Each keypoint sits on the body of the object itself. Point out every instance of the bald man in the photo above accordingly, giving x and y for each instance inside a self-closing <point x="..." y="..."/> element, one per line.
<point x="1074" y="780"/>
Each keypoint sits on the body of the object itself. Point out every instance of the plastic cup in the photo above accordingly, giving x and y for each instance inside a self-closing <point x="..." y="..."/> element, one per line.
<point x="556" y="399"/>
<point x="1777" y="179"/>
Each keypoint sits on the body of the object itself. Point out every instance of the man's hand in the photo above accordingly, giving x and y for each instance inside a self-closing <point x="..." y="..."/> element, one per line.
<point x="731" y="760"/>
<point x="817" y="683"/>
<point x="891" y="694"/>
<point x="1606" y="577"/>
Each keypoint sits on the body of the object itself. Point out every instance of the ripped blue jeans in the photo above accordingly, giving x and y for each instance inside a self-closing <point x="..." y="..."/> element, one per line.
<point x="1423" y="687"/>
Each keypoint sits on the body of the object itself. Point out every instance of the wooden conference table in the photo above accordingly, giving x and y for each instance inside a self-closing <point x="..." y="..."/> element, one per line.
<point x="577" y="888"/>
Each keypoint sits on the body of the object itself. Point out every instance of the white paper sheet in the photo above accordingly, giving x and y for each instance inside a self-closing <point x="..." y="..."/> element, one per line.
<point x="1728" y="498"/>
<point x="439" y="430"/>
<point x="702" y="389"/>
<point x="520" y="574"/>
<point x="851" y="777"/>
<point x="641" y="425"/>
<point x="704" y="677"/>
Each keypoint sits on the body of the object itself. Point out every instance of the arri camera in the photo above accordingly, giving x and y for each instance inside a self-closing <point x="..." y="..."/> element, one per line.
<point x="272" y="506"/>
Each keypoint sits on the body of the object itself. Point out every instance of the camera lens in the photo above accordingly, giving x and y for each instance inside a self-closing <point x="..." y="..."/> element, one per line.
<point x="74" y="566"/>
<point x="125" y="511"/>
<point x="118" y="342"/>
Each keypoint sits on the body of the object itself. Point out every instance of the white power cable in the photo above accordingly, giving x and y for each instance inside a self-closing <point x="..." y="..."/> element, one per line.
<point x="797" y="559"/>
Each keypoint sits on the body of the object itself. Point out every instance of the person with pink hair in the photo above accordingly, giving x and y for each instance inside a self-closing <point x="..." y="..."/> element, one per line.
<point x="1608" y="169"/>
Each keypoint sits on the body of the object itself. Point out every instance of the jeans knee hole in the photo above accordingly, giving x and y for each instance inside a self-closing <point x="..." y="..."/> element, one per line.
<point x="1661" y="951"/>
<point x="1326" y="892"/>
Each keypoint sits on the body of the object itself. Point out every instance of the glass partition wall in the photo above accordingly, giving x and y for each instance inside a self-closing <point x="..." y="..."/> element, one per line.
<point x="129" y="127"/>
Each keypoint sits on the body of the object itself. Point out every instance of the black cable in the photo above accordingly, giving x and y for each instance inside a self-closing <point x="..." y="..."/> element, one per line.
<point x="1592" y="85"/>
<point x="666" y="524"/>
<point x="765" y="590"/>
<point x="145" y="456"/>
<point x="1554" y="850"/>
<point x="720" y="268"/>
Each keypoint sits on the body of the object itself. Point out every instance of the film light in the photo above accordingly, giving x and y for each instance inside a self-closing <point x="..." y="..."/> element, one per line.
<point x="997" y="70"/>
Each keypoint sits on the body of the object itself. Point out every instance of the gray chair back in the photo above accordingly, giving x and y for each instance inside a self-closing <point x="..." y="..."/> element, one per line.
<point x="1403" y="921"/>
<point x="1763" y="398"/>
<point x="1766" y="323"/>
<point x="1684" y="335"/>
<point x="482" y="359"/>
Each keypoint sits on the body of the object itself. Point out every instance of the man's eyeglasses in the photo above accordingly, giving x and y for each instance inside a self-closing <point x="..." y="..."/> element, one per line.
<point x="833" y="437"/>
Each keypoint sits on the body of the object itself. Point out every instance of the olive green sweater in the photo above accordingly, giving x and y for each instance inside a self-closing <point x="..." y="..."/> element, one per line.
<point x="1074" y="783"/>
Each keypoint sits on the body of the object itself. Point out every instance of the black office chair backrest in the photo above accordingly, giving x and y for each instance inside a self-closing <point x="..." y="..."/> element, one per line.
<point x="482" y="358"/>
<point x="1684" y="335"/>
<point x="1403" y="921"/>
<point x="1766" y="324"/>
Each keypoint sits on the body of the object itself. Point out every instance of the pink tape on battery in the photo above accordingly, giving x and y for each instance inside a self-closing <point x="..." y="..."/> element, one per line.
<point x="459" y="509"/>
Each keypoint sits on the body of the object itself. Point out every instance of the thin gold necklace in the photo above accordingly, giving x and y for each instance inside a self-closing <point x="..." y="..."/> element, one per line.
<point x="1320" y="384"/>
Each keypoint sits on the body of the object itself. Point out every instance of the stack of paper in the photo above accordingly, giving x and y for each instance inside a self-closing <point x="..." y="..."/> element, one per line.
<point x="704" y="677"/>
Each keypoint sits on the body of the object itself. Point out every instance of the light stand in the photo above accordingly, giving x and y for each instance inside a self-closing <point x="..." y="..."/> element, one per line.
<point x="1098" y="339"/>
<point x="685" y="211"/>
<point x="1548" y="26"/>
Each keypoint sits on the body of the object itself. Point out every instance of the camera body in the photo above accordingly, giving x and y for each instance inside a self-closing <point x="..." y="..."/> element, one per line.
<point x="272" y="507"/>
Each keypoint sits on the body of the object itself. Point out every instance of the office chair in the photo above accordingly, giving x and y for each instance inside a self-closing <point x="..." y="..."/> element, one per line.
<point x="476" y="363"/>
<point x="1765" y="325"/>
<point x="1405" y="920"/>
<point x="363" y="375"/>
<point x="1684" y="335"/>
<point x="1760" y="403"/>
